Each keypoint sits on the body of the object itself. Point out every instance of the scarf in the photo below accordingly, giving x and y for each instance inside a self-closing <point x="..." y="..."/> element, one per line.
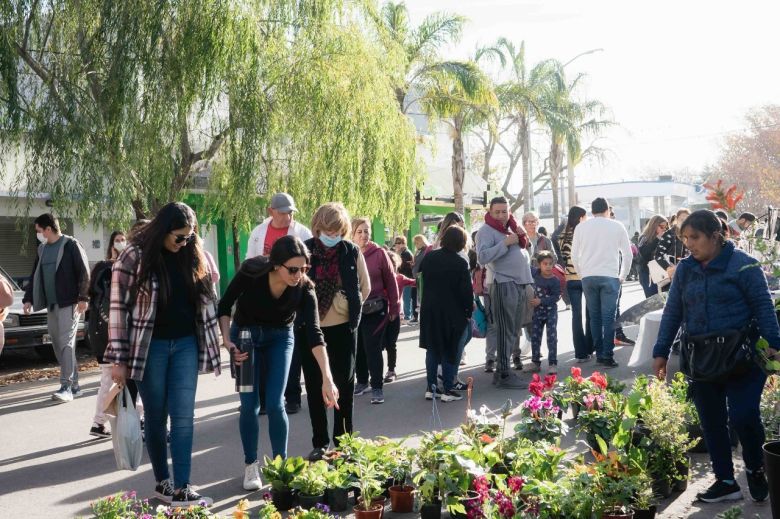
<point x="511" y="225"/>
<point x="326" y="276"/>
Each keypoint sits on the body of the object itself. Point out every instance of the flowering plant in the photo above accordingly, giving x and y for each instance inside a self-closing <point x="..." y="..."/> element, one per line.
<point x="128" y="506"/>
<point x="320" y="511"/>
<point x="601" y="416"/>
<point x="539" y="420"/>
<point x="267" y="511"/>
<point x="576" y="386"/>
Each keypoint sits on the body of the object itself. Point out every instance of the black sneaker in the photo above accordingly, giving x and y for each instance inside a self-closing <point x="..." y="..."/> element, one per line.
<point x="292" y="407"/>
<point x="490" y="366"/>
<point x="164" y="491"/>
<point x="187" y="497"/>
<point x="757" y="484"/>
<point x="451" y="396"/>
<point x="622" y="340"/>
<point x="720" y="491"/>
<point x="100" y="431"/>
<point x="517" y="363"/>
<point x="76" y="390"/>
<point x="608" y="363"/>
<point x="460" y="386"/>
<point x="316" y="454"/>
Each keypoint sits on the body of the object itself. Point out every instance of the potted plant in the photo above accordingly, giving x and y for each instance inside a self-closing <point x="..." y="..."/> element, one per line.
<point x="338" y="482"/>
<point x="371" y="503"/>
<point x="601" y="415"/>
<point x="310" y="484"/>
<point x="642" y="504"/>
<point x="576" y="387"/>
<point x="539" y="420"/>
<point x="401" y="493"/>
<point x="280" y="473"/>
<point x="320" y="511"/>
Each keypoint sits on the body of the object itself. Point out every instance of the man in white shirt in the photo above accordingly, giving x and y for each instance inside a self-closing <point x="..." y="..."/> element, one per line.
<point x="279" y="224"/>
<point x="597" y="249"/>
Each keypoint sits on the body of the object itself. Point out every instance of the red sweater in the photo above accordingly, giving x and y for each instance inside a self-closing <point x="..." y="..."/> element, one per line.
<point x="380" y="270"/>
<point x="402" y="282"/>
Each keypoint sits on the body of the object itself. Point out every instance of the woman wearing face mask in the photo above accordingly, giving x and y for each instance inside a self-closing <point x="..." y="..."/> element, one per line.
<point x="97" y="326"/>
<point x="380" y="307"/>
<point x="720" y="289"/>
<point x="269" y="295"/>
<point x="341" y="281"/>
<point x="162" y="331"/>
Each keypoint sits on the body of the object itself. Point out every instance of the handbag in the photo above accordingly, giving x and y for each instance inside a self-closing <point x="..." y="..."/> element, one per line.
<point x="373" y="305"/>
<point x="658" y="274"/>
<point x="717" y="356"/>
<point x="478" y="320"/>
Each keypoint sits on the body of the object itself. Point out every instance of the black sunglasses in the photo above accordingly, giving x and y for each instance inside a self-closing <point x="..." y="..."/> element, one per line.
<point x="184" y="238"/>
<point x="295" y="270"/>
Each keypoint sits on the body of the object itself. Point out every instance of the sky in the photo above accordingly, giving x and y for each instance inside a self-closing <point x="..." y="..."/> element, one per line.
<point x="677" y="76"/>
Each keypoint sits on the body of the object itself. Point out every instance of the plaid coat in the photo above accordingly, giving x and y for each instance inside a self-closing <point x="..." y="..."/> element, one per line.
<point x="131" y="322"/>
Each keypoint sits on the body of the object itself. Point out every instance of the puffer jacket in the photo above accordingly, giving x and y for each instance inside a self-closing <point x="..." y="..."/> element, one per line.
<point x="725" y="295"/>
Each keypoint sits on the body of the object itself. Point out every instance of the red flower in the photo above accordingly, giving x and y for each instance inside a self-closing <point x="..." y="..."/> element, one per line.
<point x="515" y="483"/>
<point x="482" y="487"/>
<point x="549" y="381"/>
<point x="486" y="438"/>
<point x="599" y="379"/>
<point x="536" y="389"/>
<point x="576" y="372"/>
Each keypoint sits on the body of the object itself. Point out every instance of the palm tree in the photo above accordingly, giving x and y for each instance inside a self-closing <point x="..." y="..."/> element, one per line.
<point x="461" y="98"/>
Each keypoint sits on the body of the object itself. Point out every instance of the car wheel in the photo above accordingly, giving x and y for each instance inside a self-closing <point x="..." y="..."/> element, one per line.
<point x="45" y="352"/>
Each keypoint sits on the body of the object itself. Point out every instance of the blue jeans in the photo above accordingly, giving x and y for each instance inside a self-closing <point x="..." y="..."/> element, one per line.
<point x="272" y="353"/>
<point x="601" y="296"/>
<point x="743" y="396"/>
<point x="583" y="338"/>
<point x="462" y="342"/>
<point x="448" y="371"/>
<point x="168" y="386"/>
<point x="408" y="303"/>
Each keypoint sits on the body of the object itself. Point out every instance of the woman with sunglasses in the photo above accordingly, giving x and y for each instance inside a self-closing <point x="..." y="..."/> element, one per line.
<point x="269" y="294"/>
<point x="162" y="332"/>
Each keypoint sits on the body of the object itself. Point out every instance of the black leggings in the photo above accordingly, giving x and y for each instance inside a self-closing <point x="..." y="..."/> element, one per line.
<point x="371" y="334"/>
<point x="392" y="330"/>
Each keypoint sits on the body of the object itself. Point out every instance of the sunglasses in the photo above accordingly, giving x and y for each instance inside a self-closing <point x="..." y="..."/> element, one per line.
<point x="186" y="238"/>
<point x="295" y="270"/>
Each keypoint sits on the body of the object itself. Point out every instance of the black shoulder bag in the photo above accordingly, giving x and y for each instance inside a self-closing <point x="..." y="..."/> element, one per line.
<point x="717" y="356"/>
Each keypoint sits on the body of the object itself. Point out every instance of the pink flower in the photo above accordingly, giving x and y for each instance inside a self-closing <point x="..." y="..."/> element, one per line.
<point x="515" y="483"/>
<point x="505" y="506"/>
<point x="533" y="403"/>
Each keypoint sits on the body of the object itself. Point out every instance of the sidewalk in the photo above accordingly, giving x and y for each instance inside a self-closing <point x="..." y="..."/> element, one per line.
<point x="51" y="468"/>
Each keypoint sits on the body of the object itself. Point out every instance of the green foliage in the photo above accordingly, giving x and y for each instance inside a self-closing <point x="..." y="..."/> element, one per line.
<point x="770" y="408"/>
<point x="281" y="471"/>
<point x="311" y="480"/>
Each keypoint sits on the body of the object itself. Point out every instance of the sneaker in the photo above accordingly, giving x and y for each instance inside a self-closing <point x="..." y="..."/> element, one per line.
<point x="164" y="491"/>
<point x="460" y="386"/>
<point x="584" y="359"/>
<point x="535" y="367"/>
<point x="187" y="497"/>
<point x="390" y="376"/>
<point x="316" y="454"/>
<point x="100" y="431"/>
<point x="252" y="479"/>
<point x="413" y="320"/>
<point x="720" y="491"/>
<point x="552" y="369"/>
<point x="516" y="362"/>
<point x="622" y="340"/>
<point x="463" y="359"/>
<point x="76" y="391"/>
<point x="292" y="407"/>
<point x="607" y="363"/>
<point x="510" y="381"/>
<point x="429" y="394"/>
<point x="377" y="397"/>
<point x="757" y="484"/>
<point x="63" y="395"/>
<point x="451" y="396"/>
<point x="360" y="389"/>
<point x="490" y="366"/>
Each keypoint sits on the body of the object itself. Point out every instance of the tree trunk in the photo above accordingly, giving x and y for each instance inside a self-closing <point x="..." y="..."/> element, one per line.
<point x="458" y="165"/>
<point x="570" y="177"/>
<point x="525" y="152"/>
<point x="236" y="244"/>
<point x="556" y="160"/>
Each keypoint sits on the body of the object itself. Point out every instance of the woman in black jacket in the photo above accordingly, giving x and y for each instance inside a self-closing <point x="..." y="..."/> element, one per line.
<point x="445" y="310"/>
<point x="648" y="243"/>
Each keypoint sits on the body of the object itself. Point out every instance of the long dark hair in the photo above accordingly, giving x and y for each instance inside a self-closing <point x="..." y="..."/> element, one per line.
<point x="110" y="249"/>
<point x="573" y="219"/>
<point x="150" y="240"/>
<point x="707" y="223"/>
<point x="283" y="249"/>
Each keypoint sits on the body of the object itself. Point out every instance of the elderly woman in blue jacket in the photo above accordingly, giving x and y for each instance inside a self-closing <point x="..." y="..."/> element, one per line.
<point x="722" y="288"/>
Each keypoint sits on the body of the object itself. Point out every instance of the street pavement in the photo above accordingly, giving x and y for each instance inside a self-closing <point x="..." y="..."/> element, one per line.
<point x="50" y="467"/>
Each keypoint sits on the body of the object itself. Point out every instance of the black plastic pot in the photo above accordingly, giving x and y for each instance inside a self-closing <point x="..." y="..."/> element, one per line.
<point x="772" y="468"/>
<point x="648" y="513"/>
<point x="307" y="502"/>
<point x="639" y="432"/>
<point x="283" y="500"/>
<point x="337" y="499"/>
<point x="575" y="409"/>
<point x="662" y="487"/>
<point x="684" y="469"/>
<point x="430" y="511"/>
<point x="694" y="431"/>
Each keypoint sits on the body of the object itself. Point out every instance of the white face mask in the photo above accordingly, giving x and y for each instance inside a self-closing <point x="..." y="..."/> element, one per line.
<point x="120" y="245"/>
<point x="41" y="237"/>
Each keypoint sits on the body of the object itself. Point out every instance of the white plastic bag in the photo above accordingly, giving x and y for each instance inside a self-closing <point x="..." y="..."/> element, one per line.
<point x="126" y="433"/>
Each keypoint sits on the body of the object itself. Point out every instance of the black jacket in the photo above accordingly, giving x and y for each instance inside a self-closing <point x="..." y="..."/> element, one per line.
<point x="350" y="283"/>
<point x="447" y="302"/>
<point x="71" y="279"/>
<point x="670" y="249"/>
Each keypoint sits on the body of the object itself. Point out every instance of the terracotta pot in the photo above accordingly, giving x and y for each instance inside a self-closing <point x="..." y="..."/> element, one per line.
<point x="617" y="513"/>
<point x="337" y="499"/>
<point x="645" y="514"/>
<point x="308" y="502"/>
<point x="283" y="500"/>
<point x="401" y="499"/>
<point x="374" y="513"/>
<point x="430" y="511"/>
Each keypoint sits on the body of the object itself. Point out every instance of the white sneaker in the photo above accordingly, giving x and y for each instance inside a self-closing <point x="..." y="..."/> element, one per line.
<point x="252" y="477"/>
<point x="451" y="396"/>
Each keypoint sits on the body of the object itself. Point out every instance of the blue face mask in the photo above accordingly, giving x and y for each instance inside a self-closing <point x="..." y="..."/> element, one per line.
<point x="329" y="241"/>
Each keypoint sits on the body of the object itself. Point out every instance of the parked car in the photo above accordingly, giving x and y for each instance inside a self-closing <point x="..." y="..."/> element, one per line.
<point x="30" y="331"/>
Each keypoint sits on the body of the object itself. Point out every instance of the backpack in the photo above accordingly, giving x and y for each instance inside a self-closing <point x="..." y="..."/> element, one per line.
<point x="99" y="307"/>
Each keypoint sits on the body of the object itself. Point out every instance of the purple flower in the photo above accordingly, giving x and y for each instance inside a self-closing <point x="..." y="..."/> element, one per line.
<point x="202" y="503"/>
<point x="322" y="507"/>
